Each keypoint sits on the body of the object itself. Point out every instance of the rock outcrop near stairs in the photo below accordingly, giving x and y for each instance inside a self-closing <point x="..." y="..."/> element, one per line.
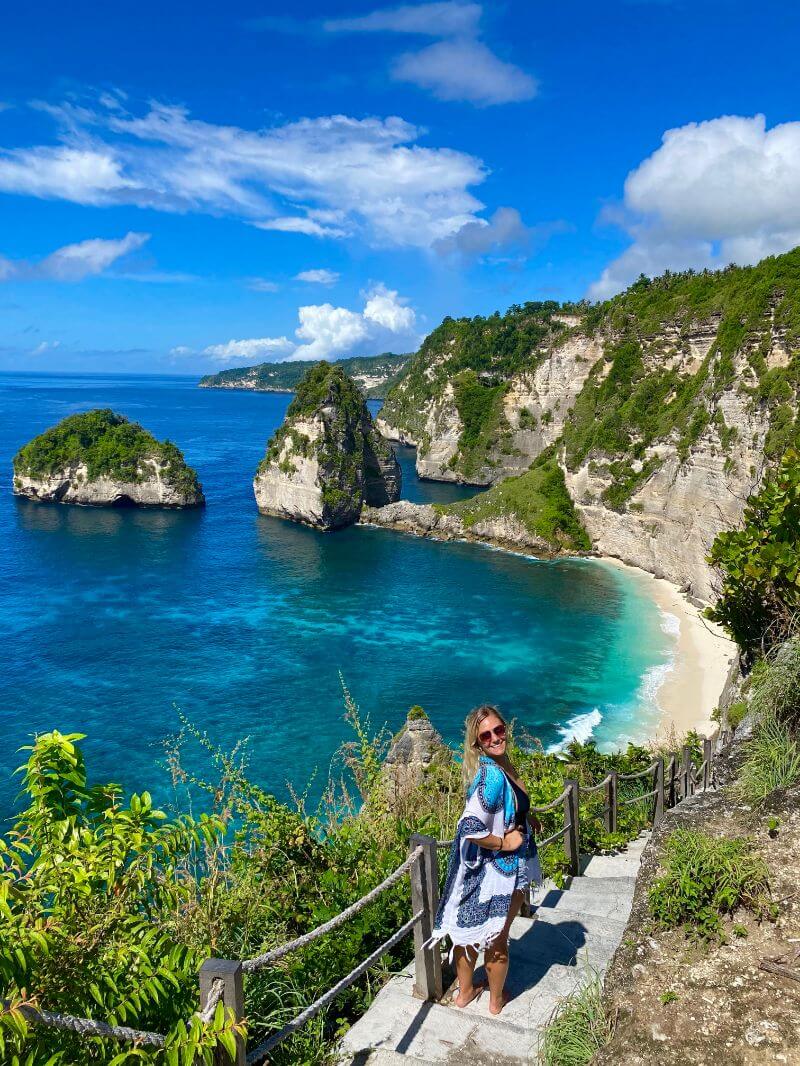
<point x="327" y="459"/>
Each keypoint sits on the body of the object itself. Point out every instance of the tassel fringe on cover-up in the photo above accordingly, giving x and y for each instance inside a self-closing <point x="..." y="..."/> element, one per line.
<point x="480" y="883"/>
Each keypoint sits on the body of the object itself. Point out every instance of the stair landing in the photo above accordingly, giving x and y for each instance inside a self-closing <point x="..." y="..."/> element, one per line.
<point x="572" y="935"/>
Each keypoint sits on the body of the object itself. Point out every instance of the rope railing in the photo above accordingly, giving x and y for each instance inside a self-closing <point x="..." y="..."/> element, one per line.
<point x="549" y="806"/>
<point x="260" y="1053"/>
<point x="221" y="980"/>
<point x="598" y="786"/>
<point x="642" y="773"/>
<point x="553" y="837"/>
<point x="638" y="799"/>
<point x="85" y="1026"/>
<point x="269" y="957"/>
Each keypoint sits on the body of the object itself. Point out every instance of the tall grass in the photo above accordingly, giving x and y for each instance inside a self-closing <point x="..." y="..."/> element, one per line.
<point x="776" y="685"/>
<point x="772" y="762"/>
<point x="577" y="1029"/>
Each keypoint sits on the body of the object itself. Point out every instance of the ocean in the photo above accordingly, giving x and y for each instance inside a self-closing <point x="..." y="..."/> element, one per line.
<point x="114" y="623"/>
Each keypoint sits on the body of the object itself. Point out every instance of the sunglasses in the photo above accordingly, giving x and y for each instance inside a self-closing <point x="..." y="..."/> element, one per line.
<point x="499" y="732"/>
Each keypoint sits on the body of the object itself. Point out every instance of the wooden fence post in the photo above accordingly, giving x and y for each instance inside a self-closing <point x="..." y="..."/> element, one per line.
<point x="230" y="973"/>
<point x="425" y="897"/>
<point x="707" y="756"/>
<point x="658" y="812"/>
<point x="686" y="771"/>
<point x="572" y="829"/>
<point x="610" y="813"/>
<point x="672" y="787"/>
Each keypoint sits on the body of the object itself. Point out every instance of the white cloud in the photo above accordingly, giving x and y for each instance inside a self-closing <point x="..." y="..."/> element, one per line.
<point x="255" y="348"/>
<point x="459" y="66"/>
<point x="73" y="262"/>
<point x="715" y="192"/>
<point x="465" y="70"/>
<point x="45" y="346"/>
<point x="181" y="349"/>
<point x="333" y="176"/>
<point x="262" y="285"/>
<point x="446" y="19"/>
<point x="322" y="276"/>
<point x="386" y="308"/>
<point x="328" y="332"/>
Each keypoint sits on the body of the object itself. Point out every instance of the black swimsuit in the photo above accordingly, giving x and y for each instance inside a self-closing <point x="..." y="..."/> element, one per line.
<point x="523" y="806"/>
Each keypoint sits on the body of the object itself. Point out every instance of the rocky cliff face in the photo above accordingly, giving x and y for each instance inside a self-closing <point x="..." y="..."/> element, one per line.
<point x="153" y="487"/>
<point x="100" y="459"/>
<point x="327" y="459"/>
<point x="663" y="407"/>
<point x="413" y="751"/>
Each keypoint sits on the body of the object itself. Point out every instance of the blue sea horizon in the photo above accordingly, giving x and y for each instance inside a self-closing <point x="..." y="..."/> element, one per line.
<point x="114" y="621"/>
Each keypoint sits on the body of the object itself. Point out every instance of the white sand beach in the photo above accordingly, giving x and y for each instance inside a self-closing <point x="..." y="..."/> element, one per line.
<point x="703" y="656"/>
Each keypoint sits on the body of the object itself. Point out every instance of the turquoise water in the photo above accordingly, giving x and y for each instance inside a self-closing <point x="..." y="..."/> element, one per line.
<point x="110" y="620"/>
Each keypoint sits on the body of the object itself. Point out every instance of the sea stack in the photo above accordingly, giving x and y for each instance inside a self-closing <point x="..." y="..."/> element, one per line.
<point x="101" y="459"/>
<point x="327" y="459"/>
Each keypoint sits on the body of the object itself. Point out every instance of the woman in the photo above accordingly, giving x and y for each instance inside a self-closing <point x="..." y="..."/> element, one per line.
<point x="493" y="860"/>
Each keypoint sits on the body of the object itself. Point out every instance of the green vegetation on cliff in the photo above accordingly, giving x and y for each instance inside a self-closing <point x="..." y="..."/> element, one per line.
<point x="108" y="444"/>
<point x="647" y="389"/>
<point x="479" y="354"/>
<point x="759" y="564"/>
<point x="538" y="499"/>
<point x="284" y="377"/>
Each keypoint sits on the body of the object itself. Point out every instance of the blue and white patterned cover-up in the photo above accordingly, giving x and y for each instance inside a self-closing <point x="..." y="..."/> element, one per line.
<point x="477" y="891"/>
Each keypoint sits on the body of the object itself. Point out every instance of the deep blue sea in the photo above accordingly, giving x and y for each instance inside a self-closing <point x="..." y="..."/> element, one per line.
<point x="113" y="620"/>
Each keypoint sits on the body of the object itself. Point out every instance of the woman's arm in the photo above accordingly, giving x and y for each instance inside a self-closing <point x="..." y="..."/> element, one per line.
<point x="510" y="842"/>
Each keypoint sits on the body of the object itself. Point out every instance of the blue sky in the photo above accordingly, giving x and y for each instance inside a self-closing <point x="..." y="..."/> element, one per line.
<point x="185" y="187"/>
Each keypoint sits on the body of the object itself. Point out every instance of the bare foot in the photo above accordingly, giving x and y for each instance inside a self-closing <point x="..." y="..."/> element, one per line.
<point x="494" y="1009"/>
<point x="463" y="1001"/>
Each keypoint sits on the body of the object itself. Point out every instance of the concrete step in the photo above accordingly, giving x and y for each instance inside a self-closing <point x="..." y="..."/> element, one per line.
<point x="390" y="1058"/>
<point x="611" y="866"/>
<point x="598" y="905"/>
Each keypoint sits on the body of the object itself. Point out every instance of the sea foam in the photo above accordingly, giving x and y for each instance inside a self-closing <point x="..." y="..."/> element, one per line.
<point x="579" y="728"/>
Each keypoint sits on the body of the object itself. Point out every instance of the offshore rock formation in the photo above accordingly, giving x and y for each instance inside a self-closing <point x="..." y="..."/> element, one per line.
<point x="327" y="459"/>
<point x="100" y="459"/>
<point x="663" y="407"/>
<point x="413" y="751"/>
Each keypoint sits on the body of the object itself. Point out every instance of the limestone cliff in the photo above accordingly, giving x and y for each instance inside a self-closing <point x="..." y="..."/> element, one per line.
<point x="101" y="459"/>
<point x="662" y="406"/>
<point x="327" y="459"/>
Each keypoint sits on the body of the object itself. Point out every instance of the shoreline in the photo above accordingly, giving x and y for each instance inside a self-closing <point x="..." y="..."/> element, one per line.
<point x="694" y="683"/>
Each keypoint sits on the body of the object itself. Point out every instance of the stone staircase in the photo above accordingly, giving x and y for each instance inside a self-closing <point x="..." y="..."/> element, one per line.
<point x="572" y="935"/>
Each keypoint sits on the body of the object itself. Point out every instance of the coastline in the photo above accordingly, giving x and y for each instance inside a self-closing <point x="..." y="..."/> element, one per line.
<point x="691" y="688"/>
<point x="693" y="684"/>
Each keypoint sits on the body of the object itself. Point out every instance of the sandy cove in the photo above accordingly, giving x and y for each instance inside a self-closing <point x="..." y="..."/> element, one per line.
<point x="704" y="655"/>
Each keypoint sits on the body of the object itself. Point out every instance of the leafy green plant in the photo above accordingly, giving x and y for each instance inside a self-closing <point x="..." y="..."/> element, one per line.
<point x="85" y="883"/>
<point x="706" y="878"/>
<point x="759" y="564"/>
<point x="578" y="1028"/>
<point x="668" y="997"/>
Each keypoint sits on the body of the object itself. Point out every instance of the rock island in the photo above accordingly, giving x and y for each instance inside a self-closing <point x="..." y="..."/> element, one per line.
<point x="327" y="459"/>
<point x="101" y="459"/>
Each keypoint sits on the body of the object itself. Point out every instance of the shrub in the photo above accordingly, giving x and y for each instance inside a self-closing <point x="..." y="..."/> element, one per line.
<point x="87" y="885"/>
<point x="772" y="761"/>
<point x="706" y="878"/>
<point x="577" y="1029"/>
<point x="759" y="564"/>
<point x="776" y="685"/>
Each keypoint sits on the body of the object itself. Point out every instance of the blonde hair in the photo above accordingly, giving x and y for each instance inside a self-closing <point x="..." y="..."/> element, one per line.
<point x="472" y="748"/>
